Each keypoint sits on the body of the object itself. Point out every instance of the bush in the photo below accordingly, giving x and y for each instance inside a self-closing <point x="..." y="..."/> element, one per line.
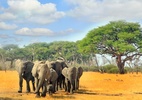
<point x="90" y="68"/>
<point x="109" y="68"/>
<point x="113" y="70"/>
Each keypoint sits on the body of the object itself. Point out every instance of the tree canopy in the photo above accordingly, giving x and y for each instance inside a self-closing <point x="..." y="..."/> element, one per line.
<point x="119" y="39"/>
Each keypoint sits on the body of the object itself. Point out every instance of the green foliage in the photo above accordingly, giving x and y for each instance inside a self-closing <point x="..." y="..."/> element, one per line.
<point x="110" y="69"/>
<point x="114" y="38"/>
<point x="90" y="68"/>
<point x="117" y="38"/>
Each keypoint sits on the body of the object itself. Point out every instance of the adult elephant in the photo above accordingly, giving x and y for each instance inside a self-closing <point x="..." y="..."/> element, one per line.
<point x="58" y="67"/>
<point x="79" y="72"/>
<point x="41" y="73"/>
<point x="24" y="69"/>
<point x="70" y="76"/>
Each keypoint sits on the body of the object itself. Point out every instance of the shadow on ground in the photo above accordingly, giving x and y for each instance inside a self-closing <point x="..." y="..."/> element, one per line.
<point x="83" y="91"/>
<point x="6" y="98"/>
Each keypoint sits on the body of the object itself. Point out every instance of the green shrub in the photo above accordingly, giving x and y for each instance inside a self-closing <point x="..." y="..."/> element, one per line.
<point x="113" y="70"/>
<point x="107" y="68"/>
<point x="90" y="68"/>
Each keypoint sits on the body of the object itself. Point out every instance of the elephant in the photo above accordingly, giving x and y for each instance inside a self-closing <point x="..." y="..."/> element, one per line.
<point x="58" y="66"/>
<point x="70" y="77"/>
<point x="50" y="89"/>
<point x="53" y="79"/>
<point x="41" y="73"/>
<point x="79" y="72"/>
<point x="24" y="69"/>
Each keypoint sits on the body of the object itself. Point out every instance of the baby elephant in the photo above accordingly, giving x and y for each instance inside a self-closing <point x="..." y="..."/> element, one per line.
<point x="50" y="89"/>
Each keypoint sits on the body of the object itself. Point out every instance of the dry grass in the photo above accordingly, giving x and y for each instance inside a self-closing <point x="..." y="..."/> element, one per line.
<point x="93" y="86"/>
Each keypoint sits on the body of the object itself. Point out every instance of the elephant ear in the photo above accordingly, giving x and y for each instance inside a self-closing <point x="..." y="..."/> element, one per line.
<point x="64" y="72"/>
<point x="79" y="72"/>
<point x="35" y="67"/>
<point x="18" y="64"/>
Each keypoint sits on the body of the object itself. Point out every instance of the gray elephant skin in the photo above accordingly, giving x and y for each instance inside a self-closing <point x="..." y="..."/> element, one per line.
<point x="79" y="72"/>
<point x="41" y="73"/>
<point x="70" y="77"/>
<point x="58" y="67"/>
<point x="52" y="79"/>
<point x="50" y="89"/>
<point x="24" y="69"/>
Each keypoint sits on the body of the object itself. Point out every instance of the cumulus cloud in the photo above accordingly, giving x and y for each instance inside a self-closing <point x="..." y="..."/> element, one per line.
<point x="34" y="32"/>
<point x="31" y="11"/>
<point x="43" y="32"/>
<point x="5" y="26"/>
<point x="101" y="10"/>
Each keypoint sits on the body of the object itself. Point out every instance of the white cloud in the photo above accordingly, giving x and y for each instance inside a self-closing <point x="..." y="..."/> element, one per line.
<point x="5" y="26"/>
<point x="31" y="11"/>
<point x="34" y="32"/>
<point x="67" y="31"/>
<point x="43" y="32"/>
<point x="102" y="10"/>
<point x="7" y="16"/>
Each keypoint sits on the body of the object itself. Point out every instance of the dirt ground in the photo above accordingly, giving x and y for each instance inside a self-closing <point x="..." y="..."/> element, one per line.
<point x="93" y="86"/>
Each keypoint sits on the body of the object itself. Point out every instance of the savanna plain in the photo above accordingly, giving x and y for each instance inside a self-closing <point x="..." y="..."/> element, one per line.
<point x="93" y="86"/>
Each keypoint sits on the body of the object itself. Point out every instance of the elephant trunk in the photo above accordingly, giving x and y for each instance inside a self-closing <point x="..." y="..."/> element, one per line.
<point x="39" y="85"/>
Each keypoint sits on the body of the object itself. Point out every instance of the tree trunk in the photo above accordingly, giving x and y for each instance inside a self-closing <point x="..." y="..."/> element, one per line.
<point x="120" y="64"/>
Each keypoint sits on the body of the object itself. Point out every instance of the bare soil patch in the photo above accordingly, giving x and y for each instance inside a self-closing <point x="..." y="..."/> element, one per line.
<point x="93" y="86"/>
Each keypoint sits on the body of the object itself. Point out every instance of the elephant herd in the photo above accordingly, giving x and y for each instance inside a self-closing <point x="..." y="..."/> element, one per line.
<point x="48" y="76"/>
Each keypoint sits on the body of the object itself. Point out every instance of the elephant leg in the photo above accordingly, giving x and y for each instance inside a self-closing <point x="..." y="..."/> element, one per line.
<point x="72" y="86"/>
<point x="57" y="84"/>
<point x="63" y="81"/>
<point x="69" y="86"/>
<point x="20" y="84"/>
<point x="77" y="85"/>
<point x="66" y="85"/>
<point x="54" y="85"/>
<point x="28" y="86"/>
<point x="33" y="84"/>
<point x="44" y="89"/>
<point x="37" y="95"/>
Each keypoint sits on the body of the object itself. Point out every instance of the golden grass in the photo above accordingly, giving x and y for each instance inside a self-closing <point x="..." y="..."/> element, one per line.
<point x="93" y="86"/>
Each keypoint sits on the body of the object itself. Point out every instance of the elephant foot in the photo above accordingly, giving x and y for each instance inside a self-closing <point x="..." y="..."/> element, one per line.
<point x="19" y="91"/>
<point x="37" y="96"/>
<point x="27" y="91"/>
<point x="43" y="95"/>
<point x="35" y="92"/>
<point x="71" y="92"/>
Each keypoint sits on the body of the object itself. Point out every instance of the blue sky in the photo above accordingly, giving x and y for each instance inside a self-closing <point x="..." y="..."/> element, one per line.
<point x="28" y="21"/>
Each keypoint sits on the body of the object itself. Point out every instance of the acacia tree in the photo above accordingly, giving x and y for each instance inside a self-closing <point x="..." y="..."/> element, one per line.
<point x="120" y="39"/>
